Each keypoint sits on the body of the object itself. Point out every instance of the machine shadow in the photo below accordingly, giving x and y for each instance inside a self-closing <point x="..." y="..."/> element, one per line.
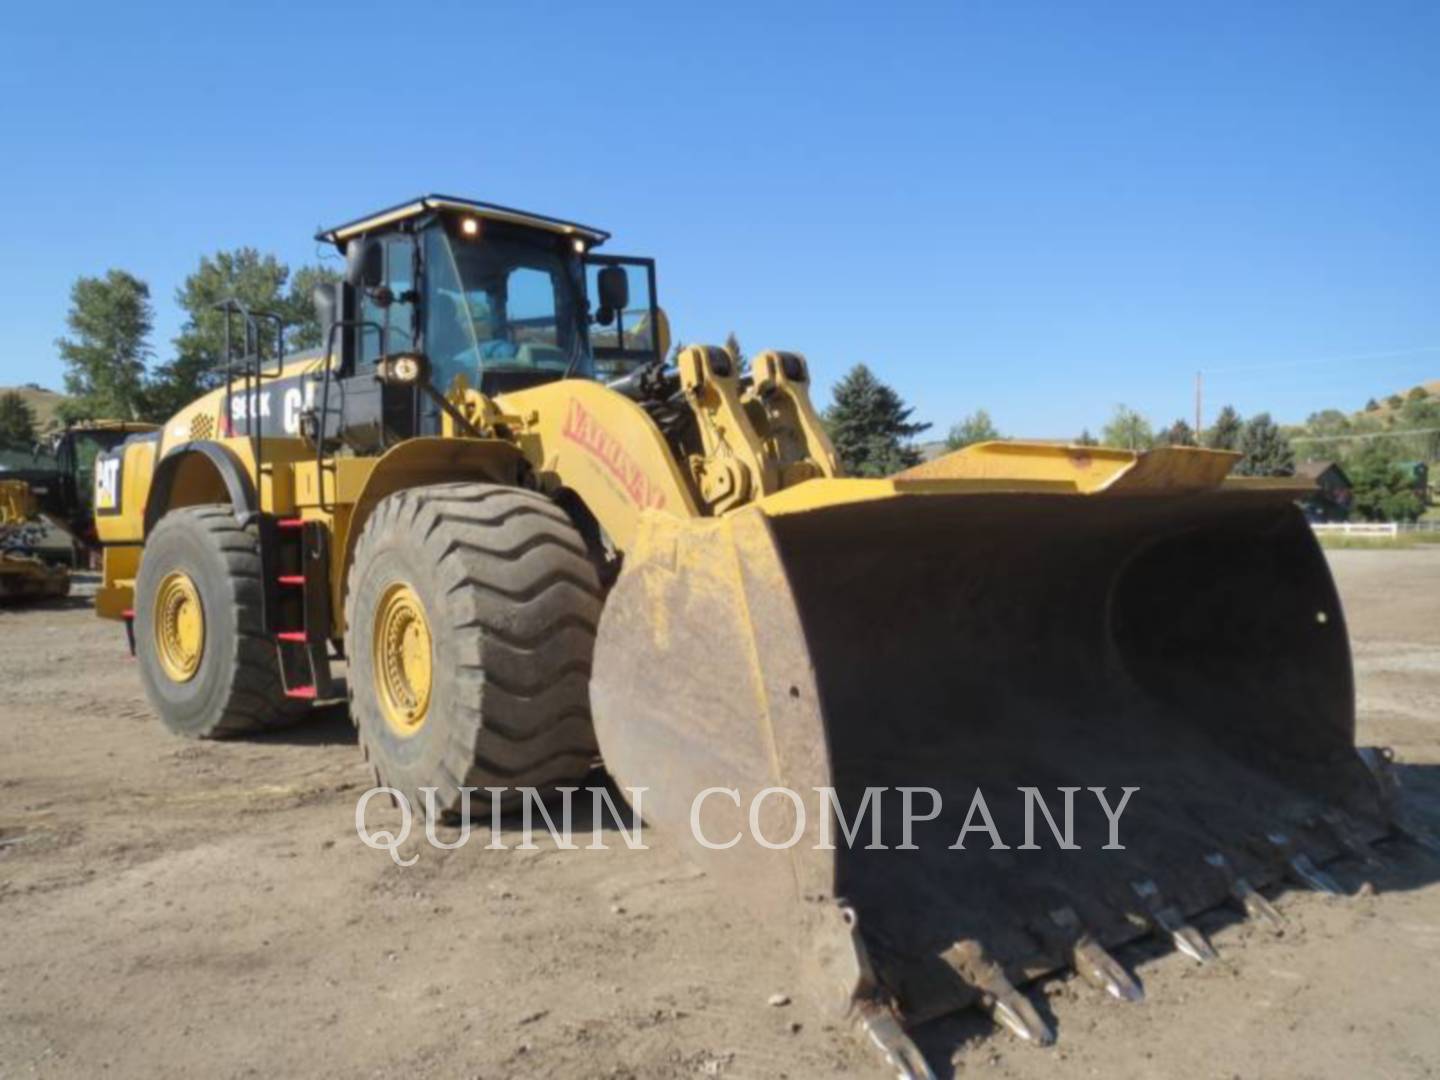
<point x="329" y="725"/>
<point x="54" y="603"/>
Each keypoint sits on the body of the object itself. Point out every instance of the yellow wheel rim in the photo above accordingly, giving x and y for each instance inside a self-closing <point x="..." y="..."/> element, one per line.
<point x="179" y="626"/>
<point x="402" y="656"/>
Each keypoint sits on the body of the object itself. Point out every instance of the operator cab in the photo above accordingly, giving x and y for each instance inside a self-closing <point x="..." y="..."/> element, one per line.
<point x="499" y="298"/>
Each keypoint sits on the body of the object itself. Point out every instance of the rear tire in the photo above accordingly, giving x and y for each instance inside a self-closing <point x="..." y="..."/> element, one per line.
<point x="231" y="682"/>
<point x="510" y="600"/>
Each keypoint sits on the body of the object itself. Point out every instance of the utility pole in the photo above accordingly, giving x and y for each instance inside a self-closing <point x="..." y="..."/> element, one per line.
<point x="1199" y="389"/>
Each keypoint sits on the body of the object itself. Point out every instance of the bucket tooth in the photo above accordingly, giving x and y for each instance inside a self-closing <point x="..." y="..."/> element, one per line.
<point x="877" y="1024"/>
<point x="1094" y="964"/>
<point x="1167" y="917"/>
<point x="1350" y="838"/>
<point x="1302" y="868"/>
<point x="1380" y="760"/>
<point x="1249" y="898"/>
<point x="1006" y="1004"/>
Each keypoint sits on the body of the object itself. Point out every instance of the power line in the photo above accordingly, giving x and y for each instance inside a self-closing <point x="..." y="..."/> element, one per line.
<point x="1365" y="435"/>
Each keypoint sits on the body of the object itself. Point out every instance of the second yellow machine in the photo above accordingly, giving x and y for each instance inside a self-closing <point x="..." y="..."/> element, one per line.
<point x="529" y="536"/>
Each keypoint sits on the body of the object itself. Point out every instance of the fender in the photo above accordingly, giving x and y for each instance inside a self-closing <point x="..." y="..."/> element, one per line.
<point x="414" y="463"/>
<point x="229" y="468"/>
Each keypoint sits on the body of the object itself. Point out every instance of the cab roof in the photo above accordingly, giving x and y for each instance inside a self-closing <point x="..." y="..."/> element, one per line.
<point x="341" y="233"/>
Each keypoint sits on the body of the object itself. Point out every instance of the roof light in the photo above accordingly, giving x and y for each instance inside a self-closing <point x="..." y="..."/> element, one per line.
<point x="470" y="226"/>
<point x="579" y="245"/>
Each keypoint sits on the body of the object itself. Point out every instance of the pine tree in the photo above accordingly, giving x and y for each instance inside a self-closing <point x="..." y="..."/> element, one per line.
<point x="1177" y="434"/>
<point x="1086" y="439"/>
<point x="17" y="420"/>
<point x="110" y="320"/>
<point x="737" y="356"/>
<point x="1224" y="434"/>
<point x="1266" y="448"/>
<point x="870" y="426"/>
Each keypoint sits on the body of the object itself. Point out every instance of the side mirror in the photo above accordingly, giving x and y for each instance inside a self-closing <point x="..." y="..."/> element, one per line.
<point x="613" y="285"/>
<point x="326" y="299"/>
<point x="365" y="264"/>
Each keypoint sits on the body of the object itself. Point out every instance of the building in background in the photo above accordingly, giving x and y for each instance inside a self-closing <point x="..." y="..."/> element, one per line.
<point x="1332" y="498"/>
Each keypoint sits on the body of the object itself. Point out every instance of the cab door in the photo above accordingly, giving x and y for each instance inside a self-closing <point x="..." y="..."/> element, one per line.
<point x="376" y="414"/>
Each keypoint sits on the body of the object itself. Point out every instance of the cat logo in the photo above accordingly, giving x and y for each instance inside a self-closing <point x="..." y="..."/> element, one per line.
<point x="107" y="484"/>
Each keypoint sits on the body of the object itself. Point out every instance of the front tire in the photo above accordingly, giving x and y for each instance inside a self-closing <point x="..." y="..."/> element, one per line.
<point x="470" y="625"/>
<point x="207" y="665"/>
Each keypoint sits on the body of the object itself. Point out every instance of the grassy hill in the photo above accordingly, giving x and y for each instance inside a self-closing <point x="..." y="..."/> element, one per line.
<point x="44" y="402"/>
<point x="1386" y="409"/>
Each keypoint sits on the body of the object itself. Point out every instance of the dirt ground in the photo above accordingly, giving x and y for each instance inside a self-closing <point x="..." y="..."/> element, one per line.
<point x="179" y="909"/>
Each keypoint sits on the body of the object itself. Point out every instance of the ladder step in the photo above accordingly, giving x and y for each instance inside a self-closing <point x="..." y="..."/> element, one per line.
<point x="300" y="692"/>
<point x="291" y="579"/>
<point x="291" y="635"/>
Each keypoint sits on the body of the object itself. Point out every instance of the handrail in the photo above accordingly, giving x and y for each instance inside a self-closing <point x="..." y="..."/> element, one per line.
<point x="253" y="372"/>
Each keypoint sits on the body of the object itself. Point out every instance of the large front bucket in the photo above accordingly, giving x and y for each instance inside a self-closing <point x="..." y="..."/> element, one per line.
<point x="1188" y="646"/>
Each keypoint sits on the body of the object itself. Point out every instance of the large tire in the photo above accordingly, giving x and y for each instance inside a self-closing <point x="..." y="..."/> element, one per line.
<point x="236" y="687"/>
<point x="510" y="602"/>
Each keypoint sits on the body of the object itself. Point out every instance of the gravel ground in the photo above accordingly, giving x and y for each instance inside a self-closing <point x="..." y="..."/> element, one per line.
<point x="205" y="909"/>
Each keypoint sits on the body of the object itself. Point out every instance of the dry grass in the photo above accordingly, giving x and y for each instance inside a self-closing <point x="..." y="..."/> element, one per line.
<point x="44" y="402"/>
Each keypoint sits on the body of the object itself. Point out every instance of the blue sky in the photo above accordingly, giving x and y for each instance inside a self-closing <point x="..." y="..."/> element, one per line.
<point x="1041" y="209"/>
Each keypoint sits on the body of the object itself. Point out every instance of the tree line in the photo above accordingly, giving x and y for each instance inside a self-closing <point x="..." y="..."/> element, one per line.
<point x="873" y="434"/>
<point x="111" y="366"/>
<point x="112" y="371"/>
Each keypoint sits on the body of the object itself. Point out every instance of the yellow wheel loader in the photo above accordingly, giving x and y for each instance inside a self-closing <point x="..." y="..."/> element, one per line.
<point x="24" y="575"/>
<point x="532" y="540"/>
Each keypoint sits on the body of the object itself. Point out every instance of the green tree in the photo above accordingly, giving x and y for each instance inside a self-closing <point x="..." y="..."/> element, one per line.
<point x="1177" y="434"/>
<point x="870" y="426"/>
<point x="17" y="420"/>
<point x="973" y="429"/>
<point x="299" y="307"/>
<point x="1394" y="401"/>
<point x="1225" y="433"/>
<point x="110" y="320"/>
<point x="1372" y="405"/>
<point x="737" y="355"/>
<point x="262" y="283"/>
<point x="1266" y="448"/>
<point x="1422" y="415"/>
<point x="1417" y="393"/>
<point x="1324" y="435"/>
<point x="1380" y="489"/>
<point x="1128" y="430"/>
<point x="1086" y="439"/>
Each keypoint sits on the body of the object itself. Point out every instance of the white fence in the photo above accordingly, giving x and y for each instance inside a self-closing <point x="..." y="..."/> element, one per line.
<point x="1386" y="530"/>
